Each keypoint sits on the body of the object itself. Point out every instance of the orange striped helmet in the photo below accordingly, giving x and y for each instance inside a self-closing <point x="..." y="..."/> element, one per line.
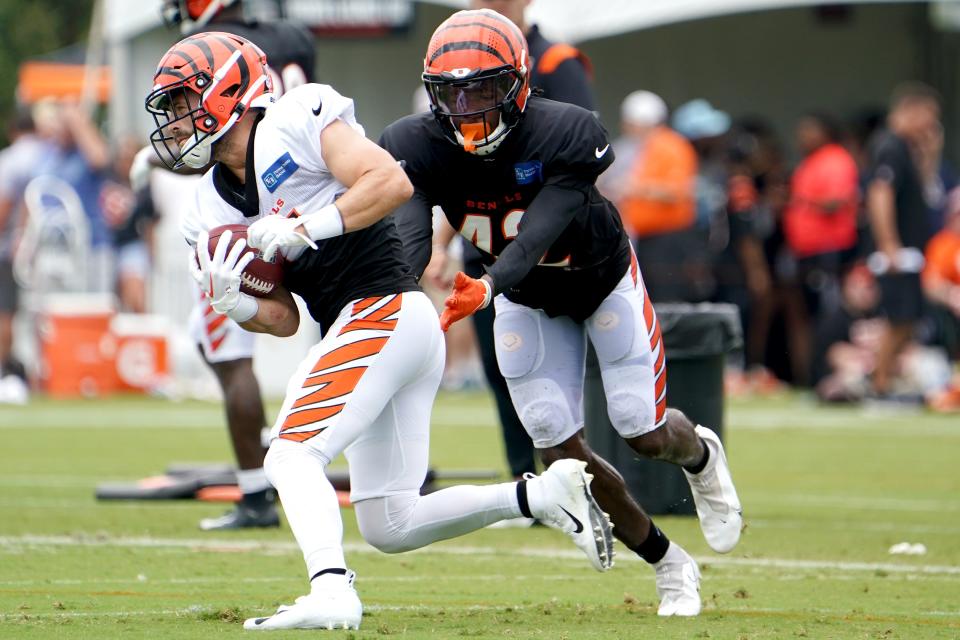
<point x="477" y="75"/>
<point x="202" y="86"/>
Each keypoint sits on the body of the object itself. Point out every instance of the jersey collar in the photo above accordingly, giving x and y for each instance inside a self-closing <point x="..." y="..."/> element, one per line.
<point x="243" y="197"/>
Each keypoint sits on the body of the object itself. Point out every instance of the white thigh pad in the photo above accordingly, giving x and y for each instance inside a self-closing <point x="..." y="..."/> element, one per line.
<point x="517" y="336"/>
<point x="613" y="329"/>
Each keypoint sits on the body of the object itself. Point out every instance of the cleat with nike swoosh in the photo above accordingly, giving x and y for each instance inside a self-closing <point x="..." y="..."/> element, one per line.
<point x="560" y="498"/>
<point x="320" y="609"/>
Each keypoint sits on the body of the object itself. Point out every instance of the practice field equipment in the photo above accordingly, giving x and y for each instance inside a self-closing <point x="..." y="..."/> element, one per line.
<point x="218" y="483"/>
<point x="180" y="482"/>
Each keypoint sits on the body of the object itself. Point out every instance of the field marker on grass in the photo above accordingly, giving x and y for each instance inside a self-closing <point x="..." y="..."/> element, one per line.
<point x="225" y="545"/>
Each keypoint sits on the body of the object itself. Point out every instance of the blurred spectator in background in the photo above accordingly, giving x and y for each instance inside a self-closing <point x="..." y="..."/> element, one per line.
<point x="560" y="70"/>
<point x="846" y="340"/>
<point x="562" y="73"/>
<point x="759" y="191"/>
<point x="652" y="182"/>
<point x="941" y="276"/>
<point x="941" y="284"/>
<point x="17" y="163"/>
<point x="80" y="156"/>
<point x="820" y="222"/>
<point x="899" y="218"/>
<point x="131" y="216"/>
<point x="727" y="192"/>
<point x="936" y="174"/>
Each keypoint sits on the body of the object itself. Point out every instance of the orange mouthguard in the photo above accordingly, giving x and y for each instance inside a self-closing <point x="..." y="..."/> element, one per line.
<point x="471" y="131"/>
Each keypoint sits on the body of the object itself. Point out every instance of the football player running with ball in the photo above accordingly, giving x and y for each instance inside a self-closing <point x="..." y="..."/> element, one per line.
<point x="300" y="173"/>
<point x="515" y="173"/>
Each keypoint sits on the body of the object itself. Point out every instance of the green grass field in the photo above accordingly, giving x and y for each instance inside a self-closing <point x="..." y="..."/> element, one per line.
<point x="826" y="492"/>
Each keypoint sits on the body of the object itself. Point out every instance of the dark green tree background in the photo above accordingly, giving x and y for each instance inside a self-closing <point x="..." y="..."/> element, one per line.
<point x="33" y="28"/>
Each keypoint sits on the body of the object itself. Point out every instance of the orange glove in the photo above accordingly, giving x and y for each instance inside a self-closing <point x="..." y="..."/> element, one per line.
<point x="468" y="297"/>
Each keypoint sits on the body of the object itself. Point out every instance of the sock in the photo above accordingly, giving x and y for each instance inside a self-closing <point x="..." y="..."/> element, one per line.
<point x="252" y="480"/>
<point x="522" y="502"/>
<point x="654" y="547"/>
<point x="700" y="466"/>
<point x="309" y="502"/>
<point x="332" y="578"/>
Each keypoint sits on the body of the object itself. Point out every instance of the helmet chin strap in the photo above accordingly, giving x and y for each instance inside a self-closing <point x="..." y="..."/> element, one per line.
<point x="469" y="133"/>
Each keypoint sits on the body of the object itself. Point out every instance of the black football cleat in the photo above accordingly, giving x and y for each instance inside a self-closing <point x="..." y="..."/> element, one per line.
<point x="243" y="517"/>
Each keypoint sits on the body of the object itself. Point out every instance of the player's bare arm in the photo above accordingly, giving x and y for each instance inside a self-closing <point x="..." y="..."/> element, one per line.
<point x="277" y="314"/>
<point x="376" y="183"/>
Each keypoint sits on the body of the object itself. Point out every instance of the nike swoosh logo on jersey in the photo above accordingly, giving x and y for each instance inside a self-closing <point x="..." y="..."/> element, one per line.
<point x="575" y="520"/>
<point x="319" y="108"/>
<point x="600" y="152"/>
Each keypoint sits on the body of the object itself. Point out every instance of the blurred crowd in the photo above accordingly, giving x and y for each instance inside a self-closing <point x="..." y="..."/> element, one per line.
<point x="69" y="219"/>
<point x="844" y="266"/>
<point x="718" y="213"/>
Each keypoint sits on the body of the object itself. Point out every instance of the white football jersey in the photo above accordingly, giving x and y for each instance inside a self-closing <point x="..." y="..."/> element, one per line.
<point x="288" y="167"/>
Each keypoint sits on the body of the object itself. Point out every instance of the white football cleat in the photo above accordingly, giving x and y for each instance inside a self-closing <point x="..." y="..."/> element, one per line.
<point x="320" y="609"/>
<point x="560" y="498"/>
<point x="678" y="583"/>
<point x="718" y="507"/>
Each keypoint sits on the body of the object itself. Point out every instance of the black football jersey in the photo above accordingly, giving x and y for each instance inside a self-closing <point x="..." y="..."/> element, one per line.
<point x="555" y="145"/>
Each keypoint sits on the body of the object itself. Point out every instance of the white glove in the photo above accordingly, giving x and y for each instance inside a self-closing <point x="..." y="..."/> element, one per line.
<point x="220" y="276"/>
<point x="140" y="168"/>
<point x="273" y="232"/>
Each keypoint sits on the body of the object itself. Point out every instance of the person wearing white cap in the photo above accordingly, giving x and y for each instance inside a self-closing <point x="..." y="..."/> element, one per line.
<point x="653" y="183"/>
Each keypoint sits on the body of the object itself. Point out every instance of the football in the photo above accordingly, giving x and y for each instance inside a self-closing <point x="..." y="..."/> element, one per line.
<point x="259" y="277"/>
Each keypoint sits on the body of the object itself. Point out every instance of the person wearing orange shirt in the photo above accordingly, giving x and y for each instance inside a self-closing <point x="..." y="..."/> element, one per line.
<point x="654" y="188"/>
<point x="821" y="217"/>
<point x="941" y="274"/>
<point x="820" y="228"/>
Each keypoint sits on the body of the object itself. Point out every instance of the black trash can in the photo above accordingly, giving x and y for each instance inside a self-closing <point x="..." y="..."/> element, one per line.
<point x="697" y="338"/>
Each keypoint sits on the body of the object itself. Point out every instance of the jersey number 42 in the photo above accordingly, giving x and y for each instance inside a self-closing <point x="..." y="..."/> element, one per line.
<point x="478" y="230"/>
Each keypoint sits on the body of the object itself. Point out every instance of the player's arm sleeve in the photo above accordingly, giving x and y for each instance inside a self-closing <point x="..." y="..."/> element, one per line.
<point x="570" y="173"/>
<point x="888" y="164"/>
<point x="545" y="219"/>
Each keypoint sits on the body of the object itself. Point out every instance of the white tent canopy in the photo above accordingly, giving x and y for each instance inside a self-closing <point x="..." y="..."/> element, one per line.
<point x="576" y="20"/>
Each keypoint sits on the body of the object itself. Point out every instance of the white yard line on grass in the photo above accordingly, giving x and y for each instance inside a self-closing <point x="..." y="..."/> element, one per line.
<point x="208" y="544"/>
<point x="858" y="526"/>
<point x="748" y="573"/>
<point x="844" y="502"/>
<point x="855" y="502"/>
<point x="198" y="610"/>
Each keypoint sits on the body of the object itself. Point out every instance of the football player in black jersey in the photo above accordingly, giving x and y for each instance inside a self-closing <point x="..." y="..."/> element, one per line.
<point x="515" y="174"/>
<point x="562" y="73"/>
<point x="291" y="52"/>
